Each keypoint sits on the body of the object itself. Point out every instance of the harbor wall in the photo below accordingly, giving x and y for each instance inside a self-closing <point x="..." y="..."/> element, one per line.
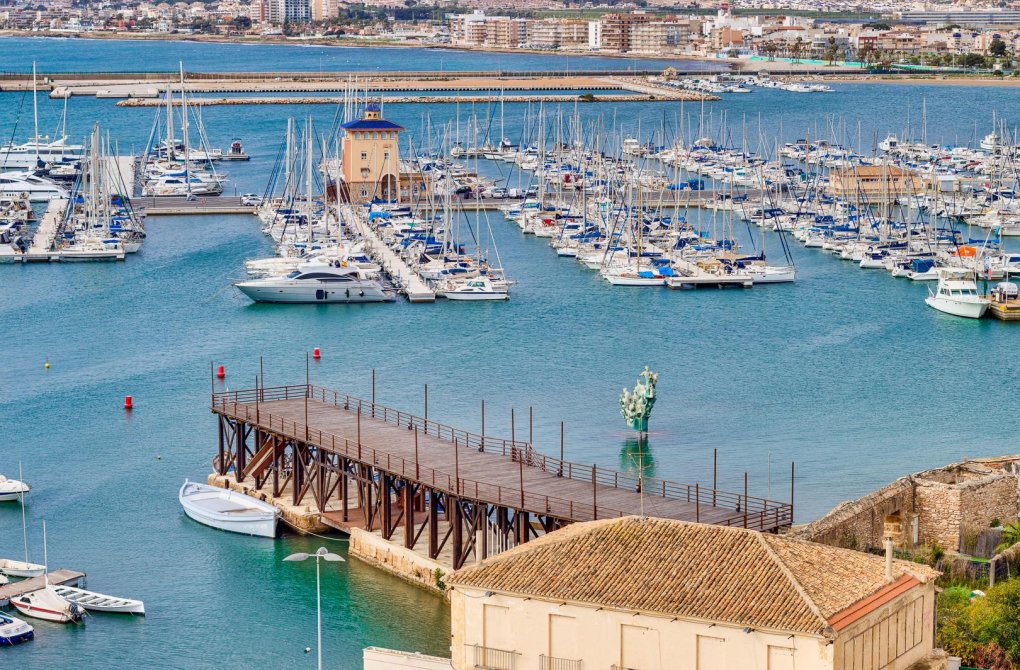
<point x="945" y="506"/>
<point x="302" y="518"/>
<point x="398" y="561"/>
<point x="376" y="658"/>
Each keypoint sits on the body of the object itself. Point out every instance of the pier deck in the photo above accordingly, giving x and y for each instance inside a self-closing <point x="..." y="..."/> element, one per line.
<point x="41" y="249"/>
<point x="404" y="464"/>
<point x="57" y="577"/>
<point x="413" y="286"/>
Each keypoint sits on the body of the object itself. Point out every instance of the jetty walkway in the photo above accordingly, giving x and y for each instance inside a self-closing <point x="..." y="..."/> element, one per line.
<point x="411" y="284"/>
<point x="386" y="469"/>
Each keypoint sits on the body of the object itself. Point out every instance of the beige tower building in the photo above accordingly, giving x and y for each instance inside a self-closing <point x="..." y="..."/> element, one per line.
<point x="371" y="160"/>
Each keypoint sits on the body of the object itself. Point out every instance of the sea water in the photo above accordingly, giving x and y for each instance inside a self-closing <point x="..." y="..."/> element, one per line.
<point x="846" y="372"/>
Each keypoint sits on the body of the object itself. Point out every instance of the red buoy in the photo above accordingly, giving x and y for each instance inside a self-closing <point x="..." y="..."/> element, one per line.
<point x="128" y="403"/>
<point x="315" y="353"/>
<point x="220" y="372"/>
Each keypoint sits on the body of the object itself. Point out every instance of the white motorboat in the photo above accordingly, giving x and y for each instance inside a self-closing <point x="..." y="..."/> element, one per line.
<point x="97" y="602"/>
<point x="14" y="630"/>
<point x="35" y="189"/>
<point x="334" y="282"/>
<point x="46" y="604"/>
<point x="957" y="294"/>
<point x="20" y="568"/>
<point x="12" y="489"/>
<point x="41" y="150"/>
<point x="476" y="288"/>
<point x="772" y="274"/>
<point x="228" y="510"/>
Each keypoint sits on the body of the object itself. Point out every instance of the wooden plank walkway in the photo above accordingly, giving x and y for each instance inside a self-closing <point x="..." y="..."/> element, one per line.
<point x="488" y="470"/>
<point x="58" y="577"/>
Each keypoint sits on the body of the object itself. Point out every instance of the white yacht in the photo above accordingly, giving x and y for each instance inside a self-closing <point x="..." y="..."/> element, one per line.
<point x="957" y="294"/>
<point x="334" y="282"/>
<point x="27" y="185"/>
<point x="37" y="152"/>
<point x="890" y="143"/>
<point x="475" y="288"/>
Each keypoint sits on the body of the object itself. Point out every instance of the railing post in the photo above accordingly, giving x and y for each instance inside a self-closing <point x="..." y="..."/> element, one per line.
<point x="426" y="409"/>
<point x="483" y="426"/>
<point x="793" y="472"/>
<point x="715" y="473"/>
<point x="697" y="504"/>
<point x="745" y="499"/>
<point x="594" y="496"/>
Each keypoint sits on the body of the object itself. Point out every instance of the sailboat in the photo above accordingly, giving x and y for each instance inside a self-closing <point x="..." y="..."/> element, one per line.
<point x="14" y="568"/>
<point x="46" y="603"/>
<point x="12" y="489"/>
<point x="39" y="151"/>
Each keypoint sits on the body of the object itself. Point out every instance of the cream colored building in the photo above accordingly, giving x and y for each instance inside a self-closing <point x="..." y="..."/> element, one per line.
<point x="656" y="594"/>
<point x="370" y="160"/>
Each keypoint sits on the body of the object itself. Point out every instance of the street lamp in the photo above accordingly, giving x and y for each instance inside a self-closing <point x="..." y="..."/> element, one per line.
<point x="327" y="556"/>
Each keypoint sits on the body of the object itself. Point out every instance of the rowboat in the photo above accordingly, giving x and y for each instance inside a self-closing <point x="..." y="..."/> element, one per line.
<point x="12" y="489"/>
<point x="46" y="604"/>
<point x="13" y="631"/>
<point x="228" y="510"/>
<point x="13" y="568"/>
<point x="97" y="602"/>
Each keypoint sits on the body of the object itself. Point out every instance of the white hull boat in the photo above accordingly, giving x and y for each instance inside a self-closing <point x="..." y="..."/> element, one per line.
<point x="228" y="510"/>
<point x="12" y="489"/>
<point x="14" y="630"/>
<point x="772" y="274"/>
<point x="47" y="605"/>
<point x="478" y="288"/>
<point x="957" y="294"/>
<point x="324" y="283"/>
<point x="97" y="602"/>
<point x="21" y="568"/>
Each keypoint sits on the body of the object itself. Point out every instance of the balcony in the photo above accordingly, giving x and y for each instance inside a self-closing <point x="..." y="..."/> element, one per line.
<point x="553" y="663"/>
<point x="487" y="658"/>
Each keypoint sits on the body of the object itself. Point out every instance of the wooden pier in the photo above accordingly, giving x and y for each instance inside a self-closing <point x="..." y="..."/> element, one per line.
<point x="357" y="462"/>
<point x="60" y="577"/>
<point x="412" y="285"/>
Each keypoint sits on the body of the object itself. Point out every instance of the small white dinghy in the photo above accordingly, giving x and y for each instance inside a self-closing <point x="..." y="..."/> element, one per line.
<point x="97" y="602"/>
<point x="20" y="568"/>
<point x="228" y="510"/>
<point x="12" y="489"/>
<point x="46" y="604"/>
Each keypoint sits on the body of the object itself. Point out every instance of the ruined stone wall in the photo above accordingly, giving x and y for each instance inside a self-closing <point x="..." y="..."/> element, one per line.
<point x="939" y="514"/>
<point x="859" y="524"/>
<point x="992" y="499"/>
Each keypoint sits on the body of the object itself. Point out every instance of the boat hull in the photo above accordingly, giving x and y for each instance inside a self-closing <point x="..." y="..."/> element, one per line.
<point x="228" y="510"/>
<point x="279" y="293"/>
<point x="963" y="308"/>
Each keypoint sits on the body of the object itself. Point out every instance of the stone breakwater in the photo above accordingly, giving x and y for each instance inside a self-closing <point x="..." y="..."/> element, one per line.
<point x="422" y="99"/>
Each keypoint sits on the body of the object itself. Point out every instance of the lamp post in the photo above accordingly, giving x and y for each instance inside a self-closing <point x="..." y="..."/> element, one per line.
<point x="327" y="556"/>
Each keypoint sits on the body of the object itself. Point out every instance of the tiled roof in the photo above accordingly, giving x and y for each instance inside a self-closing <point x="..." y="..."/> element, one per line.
<point x="698" y="571"/>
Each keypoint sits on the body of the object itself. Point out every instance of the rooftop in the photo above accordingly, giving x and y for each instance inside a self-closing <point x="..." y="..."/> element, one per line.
<point x="698" y="571"/>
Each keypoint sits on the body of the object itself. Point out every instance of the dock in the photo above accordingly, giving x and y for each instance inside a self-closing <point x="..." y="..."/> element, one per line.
<point x="42" y="249"/>
<point x="666" y="95"/>
<point x="1004" y="309"/>
<point x="59" y="577"/>
<point x="419" y="482"/>
<point x="411" y="284"/>
<point x="180" y="206"/>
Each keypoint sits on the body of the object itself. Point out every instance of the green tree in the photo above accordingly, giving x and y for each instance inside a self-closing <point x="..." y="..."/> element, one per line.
<point x="1004" y="625"/>
<point x="1010" y="536"/>
<point x="997" y="47"/>
<point x="831" y="51"/>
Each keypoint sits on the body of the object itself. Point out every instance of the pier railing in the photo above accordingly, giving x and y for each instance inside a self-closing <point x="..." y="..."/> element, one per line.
<point x="752" y="512"/>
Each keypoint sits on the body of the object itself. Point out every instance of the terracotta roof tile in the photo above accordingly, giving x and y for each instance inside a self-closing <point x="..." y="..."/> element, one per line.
<point x="689" y="570"/>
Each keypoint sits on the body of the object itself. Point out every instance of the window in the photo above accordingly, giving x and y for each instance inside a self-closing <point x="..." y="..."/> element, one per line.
<point x="364" y="155"/>
<point x="386" y="155"/>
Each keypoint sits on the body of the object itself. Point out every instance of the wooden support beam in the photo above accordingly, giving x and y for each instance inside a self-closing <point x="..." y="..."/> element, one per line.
<point x="408" y="498"/>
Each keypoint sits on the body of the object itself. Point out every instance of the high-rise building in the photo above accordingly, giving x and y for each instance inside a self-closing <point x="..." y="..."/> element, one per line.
<point x="292" y="11"/>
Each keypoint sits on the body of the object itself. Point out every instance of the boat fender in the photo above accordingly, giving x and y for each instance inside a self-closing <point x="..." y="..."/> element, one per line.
<point x="361" y="293"/>
<point x="347" y="292"/>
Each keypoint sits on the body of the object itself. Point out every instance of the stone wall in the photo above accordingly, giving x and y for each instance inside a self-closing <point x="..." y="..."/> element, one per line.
<point x="859" y="524"/>
<point x="397" y="560"/>
<point x="947" y="504"/>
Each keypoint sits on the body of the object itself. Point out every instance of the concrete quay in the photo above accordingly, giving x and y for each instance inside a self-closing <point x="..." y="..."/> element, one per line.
<point x="663" y="96"/>
<point x="411" y="283"/>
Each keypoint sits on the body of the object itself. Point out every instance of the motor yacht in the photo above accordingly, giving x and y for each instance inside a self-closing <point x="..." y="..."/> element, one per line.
<point x="334" y="282"/>
<point x="957" y="294"/>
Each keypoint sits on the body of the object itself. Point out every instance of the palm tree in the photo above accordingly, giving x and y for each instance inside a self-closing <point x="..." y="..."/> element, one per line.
<point x="831" y="51"/>
<point x="797" y="49"/>
<point x="1010" y="536"/>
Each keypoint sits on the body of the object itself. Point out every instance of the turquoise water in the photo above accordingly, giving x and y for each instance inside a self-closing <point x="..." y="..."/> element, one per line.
<point x="846" y="372"/>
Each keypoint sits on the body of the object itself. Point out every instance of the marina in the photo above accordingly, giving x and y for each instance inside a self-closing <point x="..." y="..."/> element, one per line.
<point x="752" y="373"/>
